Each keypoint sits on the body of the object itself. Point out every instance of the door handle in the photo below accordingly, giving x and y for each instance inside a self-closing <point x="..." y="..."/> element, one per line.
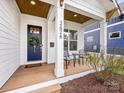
<point x="41" y="45"/>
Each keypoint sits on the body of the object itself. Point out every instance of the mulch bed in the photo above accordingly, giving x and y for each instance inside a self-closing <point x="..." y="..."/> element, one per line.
<point x="88" y="84"/>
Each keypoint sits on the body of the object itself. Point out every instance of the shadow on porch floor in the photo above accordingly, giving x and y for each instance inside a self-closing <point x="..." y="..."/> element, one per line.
<point x="29" y="76"/>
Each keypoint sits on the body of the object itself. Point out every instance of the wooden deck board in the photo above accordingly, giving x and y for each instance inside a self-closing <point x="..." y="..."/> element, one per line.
<point x="29" y="76"/>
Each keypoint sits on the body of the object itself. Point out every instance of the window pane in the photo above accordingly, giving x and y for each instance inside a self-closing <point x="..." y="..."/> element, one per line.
<point x="115" y="35"/>
<point x="73" y="35"/>
<point x="73" y="45"/>
<point x="65" y="45"/>
<point x="66" y="34"/>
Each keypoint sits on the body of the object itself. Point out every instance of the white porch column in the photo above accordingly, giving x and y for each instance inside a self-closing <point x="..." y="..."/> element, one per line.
<point x="81" y="39"/>
<point x="103" y="36"/>
<point x="59" y="29"/>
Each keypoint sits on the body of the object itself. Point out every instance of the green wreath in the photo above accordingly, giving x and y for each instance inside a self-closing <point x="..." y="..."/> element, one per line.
<point x="33" y="41"/>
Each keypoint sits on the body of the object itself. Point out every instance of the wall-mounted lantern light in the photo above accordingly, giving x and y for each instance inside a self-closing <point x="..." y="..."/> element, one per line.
<point x="61" y="3"/>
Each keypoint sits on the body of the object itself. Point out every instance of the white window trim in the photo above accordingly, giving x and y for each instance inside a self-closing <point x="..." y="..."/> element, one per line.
<point x="115" y="37"/>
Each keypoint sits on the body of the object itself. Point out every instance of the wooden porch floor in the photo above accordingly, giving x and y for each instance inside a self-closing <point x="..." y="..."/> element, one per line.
<point x="29" y="76"/>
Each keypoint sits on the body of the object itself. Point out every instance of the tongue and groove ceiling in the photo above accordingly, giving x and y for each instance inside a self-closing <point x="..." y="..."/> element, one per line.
<point x="69" y="15"/>
<point x="41" y="9"/>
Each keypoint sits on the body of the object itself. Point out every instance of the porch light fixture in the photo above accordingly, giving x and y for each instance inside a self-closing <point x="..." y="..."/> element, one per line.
<point x="75" y="15"/>
<point x="61" y="2"/>
<point x="33" y="2"/>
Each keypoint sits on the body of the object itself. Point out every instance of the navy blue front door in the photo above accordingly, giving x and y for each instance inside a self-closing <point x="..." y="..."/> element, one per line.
<point x="34" y="43"/>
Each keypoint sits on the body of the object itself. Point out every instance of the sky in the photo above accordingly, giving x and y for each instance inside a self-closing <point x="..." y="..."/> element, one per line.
<point x="120" y="1"/>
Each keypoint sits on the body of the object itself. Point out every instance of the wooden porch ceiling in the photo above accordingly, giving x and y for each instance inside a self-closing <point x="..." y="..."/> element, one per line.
<point x="41" y="9"/>
<point x="110" y="13"/>
<point x="75" y="17"/>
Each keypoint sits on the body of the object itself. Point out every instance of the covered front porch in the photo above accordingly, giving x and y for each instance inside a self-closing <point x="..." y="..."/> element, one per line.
<point x="62" y="30"/>
<point x="44" y="35"/>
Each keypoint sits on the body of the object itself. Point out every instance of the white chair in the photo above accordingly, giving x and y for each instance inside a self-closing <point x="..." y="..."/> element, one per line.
<point x="67" y="58"/>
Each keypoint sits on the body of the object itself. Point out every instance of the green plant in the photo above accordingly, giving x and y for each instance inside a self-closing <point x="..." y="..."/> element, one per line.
<point x="97" y="63"/>
<point x="115" y="65"/>
<point x="93" y="60"/>
<point x="33" y="41"/>
<point x="106" y="69"/>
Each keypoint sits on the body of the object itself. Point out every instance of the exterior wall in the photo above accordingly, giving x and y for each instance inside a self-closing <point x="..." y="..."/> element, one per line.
<point x="91" y="27"/>
<point x="32" y="20"/>
<point x="92" y="32"/>
<point x="115" y="20"/>
<point x="113" y="45"/>
<point x="51" y="38"/>
<point x="9" y="39"/>
<point x="93" y="44"/>
<point x="116" y="45"/>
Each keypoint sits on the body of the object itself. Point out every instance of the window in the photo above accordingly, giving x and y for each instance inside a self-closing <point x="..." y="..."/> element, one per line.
<point x="73" y="35"/>
<point x="70" y="40"/>
<point x="115" y="35"/>
<point x="73" y="45"/>
<point x="66" y="37"/>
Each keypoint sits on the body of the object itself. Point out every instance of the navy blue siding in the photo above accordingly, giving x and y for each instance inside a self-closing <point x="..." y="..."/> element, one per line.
<point x="115" y="20"/>
<point x="92" y="27"/>
<point x="115" y="45"/>
<point x="88" y="46"/>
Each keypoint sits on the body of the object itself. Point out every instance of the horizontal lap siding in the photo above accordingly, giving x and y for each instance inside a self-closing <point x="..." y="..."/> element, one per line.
<point x="9" y="39"/>
<point x="88" y="46"/>
<point x="92" y="27"/>
<point x="116" y="46"/>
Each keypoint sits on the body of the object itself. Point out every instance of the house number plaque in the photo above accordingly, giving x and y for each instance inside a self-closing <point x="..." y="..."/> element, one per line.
<point x="60" y="29"/>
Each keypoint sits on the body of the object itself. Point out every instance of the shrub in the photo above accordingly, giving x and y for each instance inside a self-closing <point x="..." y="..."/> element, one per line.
<point x="105" y="69"/>
<point x="93" y="60"/>
<point x="115" y="65"/>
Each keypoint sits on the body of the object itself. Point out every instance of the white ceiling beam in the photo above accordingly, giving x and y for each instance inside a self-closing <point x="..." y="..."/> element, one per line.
<point x="84" y="8"/>
<point x="51" y="14"/>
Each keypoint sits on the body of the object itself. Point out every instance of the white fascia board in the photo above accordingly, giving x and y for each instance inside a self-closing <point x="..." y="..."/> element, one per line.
<point x="115" y="3"/>
<point x="52" y="2"/>
<point x="84" y="8"/>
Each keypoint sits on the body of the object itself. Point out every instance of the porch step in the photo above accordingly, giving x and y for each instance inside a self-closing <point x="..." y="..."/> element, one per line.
<point x="50" y="89"/>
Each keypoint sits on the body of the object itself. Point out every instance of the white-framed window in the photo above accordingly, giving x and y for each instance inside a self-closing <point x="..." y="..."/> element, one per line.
<point x="70" y="40"/>
<point x="115" y="35"/>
